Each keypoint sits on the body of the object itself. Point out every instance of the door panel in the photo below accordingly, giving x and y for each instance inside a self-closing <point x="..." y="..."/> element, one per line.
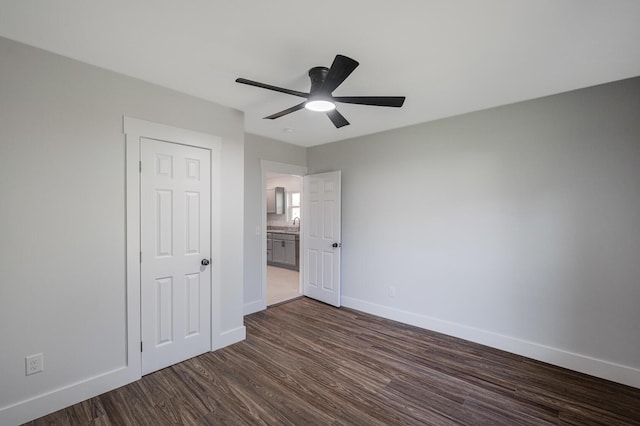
<point x="164" y="303"/>
<point x="192" y="289"/>
<point x="192" y="207"/>
<point x="175" y="236"/>
<point x="321" y="204"/>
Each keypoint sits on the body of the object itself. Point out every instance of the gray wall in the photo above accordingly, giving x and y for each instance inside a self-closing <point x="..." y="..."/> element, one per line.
<point x="260" y="148"/>
<point x="62" y="214"/>
<point x="517" y="226"/>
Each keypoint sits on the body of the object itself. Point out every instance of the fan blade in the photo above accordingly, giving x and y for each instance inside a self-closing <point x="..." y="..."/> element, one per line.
<point x="270" y="87"/>
<point x="387" y="101"/>
<point x="337" y="119"/>
<point x="341" y="68"/>
<point x="286" y="111"/>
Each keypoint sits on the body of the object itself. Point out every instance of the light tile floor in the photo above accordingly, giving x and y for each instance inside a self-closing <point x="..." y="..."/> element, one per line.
<point x="282" y="284"/>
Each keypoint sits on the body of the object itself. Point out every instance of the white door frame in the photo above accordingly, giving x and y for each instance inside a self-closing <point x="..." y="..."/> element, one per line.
<point x="135" y="129"/>
<point x="275" y="167"/>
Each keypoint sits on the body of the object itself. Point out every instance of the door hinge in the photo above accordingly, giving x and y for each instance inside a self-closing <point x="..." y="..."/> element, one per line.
<point x="140" y="166"/>
<point x="140" y="257"/>
<point x="140" y="346"/>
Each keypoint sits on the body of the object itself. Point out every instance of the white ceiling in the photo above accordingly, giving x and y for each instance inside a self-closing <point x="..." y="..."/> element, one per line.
<point x="447" y="57"/>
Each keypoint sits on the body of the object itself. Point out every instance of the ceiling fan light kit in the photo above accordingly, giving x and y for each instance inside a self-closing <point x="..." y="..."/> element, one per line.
<point x="320" y="105"/>
<point x="323" y="82"/>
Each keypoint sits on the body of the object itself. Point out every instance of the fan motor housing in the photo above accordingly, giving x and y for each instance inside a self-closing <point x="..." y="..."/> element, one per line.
<point x="317" y="76"/>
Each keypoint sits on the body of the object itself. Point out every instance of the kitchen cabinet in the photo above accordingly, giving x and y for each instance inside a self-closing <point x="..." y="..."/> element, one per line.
<point x="284" y="250"/>
<point x="269" y="248"/>
<point x="276" y="200"/>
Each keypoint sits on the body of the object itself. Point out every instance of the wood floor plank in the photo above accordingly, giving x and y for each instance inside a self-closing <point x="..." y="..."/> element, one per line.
<point x="85" y="412"/>
<point x="304" y="362"/>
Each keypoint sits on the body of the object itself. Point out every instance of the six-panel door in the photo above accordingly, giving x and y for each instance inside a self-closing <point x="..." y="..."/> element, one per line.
<point x="322" y="236"/>
<point x="175" y="210"/>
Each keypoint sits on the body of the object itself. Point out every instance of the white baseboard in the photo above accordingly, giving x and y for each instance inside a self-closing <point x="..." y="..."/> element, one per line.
<point x="230" y="337"/>
<point x="56" y="399"/>
<point x="595" y="367"/>
<point x="65" y="396"/>
<point x="255" y="306"/>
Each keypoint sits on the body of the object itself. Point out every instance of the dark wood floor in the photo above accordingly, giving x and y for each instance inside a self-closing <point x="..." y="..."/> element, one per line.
<point x="305" y="363"/>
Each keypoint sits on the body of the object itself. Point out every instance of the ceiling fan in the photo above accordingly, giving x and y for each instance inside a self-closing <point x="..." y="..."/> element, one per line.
<point x="323" y="82"/>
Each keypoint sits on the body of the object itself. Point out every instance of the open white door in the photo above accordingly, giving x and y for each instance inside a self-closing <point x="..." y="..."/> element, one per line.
<point x="175" y="209"/>
<point x="321" y="237"/>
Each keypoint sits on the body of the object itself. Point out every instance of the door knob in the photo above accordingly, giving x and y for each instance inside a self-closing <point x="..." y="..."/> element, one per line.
<point x="334" y="245"/>
<point x="204" y="262"/>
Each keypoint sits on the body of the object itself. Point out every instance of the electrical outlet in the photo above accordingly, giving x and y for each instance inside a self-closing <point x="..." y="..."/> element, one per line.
<point x="34" y="364"/>
<point x="392" y="291"/>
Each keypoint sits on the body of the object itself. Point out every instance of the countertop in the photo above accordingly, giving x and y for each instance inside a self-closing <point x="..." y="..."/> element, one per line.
<point x="283" y="231"/>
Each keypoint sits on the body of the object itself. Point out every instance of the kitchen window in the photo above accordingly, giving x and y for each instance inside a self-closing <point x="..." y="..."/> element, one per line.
<point x="294" y="205"/>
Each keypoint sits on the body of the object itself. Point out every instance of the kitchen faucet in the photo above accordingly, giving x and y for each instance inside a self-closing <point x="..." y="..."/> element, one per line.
<point x="294" y="221"/>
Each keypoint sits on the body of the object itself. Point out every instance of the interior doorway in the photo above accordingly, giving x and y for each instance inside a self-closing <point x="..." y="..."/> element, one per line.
<point x="283" y="224"/>
<point x="273" y="169"/>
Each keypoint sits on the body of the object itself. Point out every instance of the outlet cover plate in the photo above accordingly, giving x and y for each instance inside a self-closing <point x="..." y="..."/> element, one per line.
<point x="34" y="364"/>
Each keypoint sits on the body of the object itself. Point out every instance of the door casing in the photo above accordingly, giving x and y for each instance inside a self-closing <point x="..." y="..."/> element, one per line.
<point x="135" y="129"/>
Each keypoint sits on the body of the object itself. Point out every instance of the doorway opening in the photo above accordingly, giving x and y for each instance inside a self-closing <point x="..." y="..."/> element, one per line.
<point x="283" y="224"/>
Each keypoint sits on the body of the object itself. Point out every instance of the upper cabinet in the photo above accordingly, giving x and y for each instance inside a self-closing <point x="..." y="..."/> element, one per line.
<point x="275" y="200"/>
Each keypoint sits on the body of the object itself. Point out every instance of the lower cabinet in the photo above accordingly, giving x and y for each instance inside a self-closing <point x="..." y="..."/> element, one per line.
<point x="283" y="250"/>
